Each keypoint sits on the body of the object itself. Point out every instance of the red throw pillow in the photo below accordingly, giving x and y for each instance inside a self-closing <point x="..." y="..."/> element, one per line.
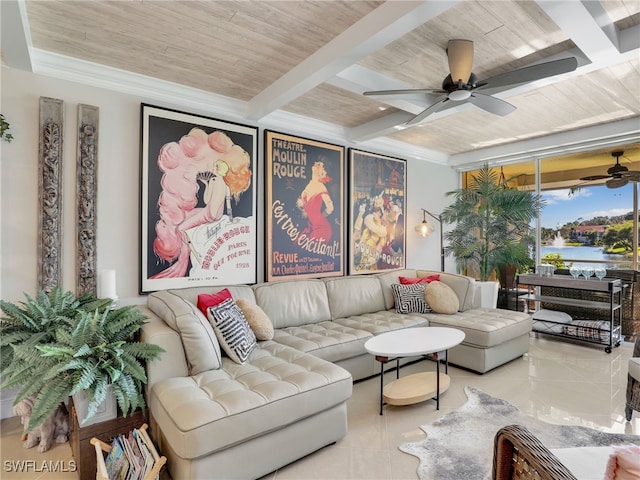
<point x="205" y="300"/>
<point x="411" y="280"/>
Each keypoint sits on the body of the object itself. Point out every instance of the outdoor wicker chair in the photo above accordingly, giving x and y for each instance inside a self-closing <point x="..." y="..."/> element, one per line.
<point x="633" y="382"/>
<point x="519" y="455"/>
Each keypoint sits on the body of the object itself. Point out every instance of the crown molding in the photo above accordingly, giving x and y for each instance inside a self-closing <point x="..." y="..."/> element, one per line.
<point x="114" y="79"/>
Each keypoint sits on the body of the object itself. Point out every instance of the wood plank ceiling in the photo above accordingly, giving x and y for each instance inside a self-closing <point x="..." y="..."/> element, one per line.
<point x="315" y="58"/>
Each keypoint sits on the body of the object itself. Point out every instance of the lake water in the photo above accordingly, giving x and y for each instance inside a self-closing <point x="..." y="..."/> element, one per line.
<point x="583" y="253"/>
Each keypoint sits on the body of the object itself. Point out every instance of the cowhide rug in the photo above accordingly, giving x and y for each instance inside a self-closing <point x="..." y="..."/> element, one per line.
<point x="459" y="445"/>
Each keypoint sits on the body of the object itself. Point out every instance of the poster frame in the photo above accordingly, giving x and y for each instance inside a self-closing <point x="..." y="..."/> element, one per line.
<point x="234" y="231"/>
<point x="376" y="182"/>
<point x="292" y="255"/>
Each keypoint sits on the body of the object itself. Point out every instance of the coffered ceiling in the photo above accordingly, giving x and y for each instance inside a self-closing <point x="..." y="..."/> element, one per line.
<point x="304" y="65"/>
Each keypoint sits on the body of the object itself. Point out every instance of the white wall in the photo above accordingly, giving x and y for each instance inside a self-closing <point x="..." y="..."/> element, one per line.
<point x="427" y="184"/>
<point x="118" y="232"/>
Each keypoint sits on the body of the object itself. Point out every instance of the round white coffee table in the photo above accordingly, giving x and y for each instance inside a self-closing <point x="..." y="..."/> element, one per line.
<point x="410" y="342"/>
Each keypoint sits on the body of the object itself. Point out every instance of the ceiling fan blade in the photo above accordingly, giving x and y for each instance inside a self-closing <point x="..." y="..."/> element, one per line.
<point x="491" y="104"/>
<point x="530" y="74"/>
<point x="595" y="177"/>
<point x="580" y="185"/>
<point x="632" y="176"/>
<point x="402" y="92"/>
<point x="617" y="182"/>
<point x="437" y="106"/>
<point x="460" y="57"/>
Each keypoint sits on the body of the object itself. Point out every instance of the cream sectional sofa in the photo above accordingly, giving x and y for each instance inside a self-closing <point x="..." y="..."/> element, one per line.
<point x="214" y="418"/>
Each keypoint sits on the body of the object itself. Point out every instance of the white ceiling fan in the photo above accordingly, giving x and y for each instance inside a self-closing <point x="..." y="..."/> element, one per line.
<point x="462" y="86"/>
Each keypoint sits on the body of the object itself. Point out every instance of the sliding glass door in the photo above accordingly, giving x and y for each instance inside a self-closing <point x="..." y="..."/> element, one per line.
<point x="591" y="216"/>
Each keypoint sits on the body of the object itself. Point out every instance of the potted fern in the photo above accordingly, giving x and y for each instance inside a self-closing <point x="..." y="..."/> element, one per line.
<point x="79" y="345"/>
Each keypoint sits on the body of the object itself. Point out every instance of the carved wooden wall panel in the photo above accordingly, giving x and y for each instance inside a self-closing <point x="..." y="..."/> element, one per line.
<point x="50" y="194"/>
<point x="86" y="199"/>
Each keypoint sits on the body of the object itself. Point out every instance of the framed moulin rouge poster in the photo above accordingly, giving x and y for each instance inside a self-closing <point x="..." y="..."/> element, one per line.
<point x="377" y="196"/>
<point x="304" y="208"/>
<point x="198" y="201"/>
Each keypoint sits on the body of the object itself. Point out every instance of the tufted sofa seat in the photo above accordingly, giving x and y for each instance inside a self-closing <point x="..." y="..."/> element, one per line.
<point x="214" y="418"/>
<point x="280" y="385"/>
<point x="327" y="340"/>
<point x="491" y="335"/>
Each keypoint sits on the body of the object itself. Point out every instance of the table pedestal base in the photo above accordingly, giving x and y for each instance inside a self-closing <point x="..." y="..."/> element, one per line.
<point x="415" y="388"/>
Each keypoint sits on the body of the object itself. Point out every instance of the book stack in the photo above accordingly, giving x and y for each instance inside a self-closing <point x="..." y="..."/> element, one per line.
<point x="129" y="457"/>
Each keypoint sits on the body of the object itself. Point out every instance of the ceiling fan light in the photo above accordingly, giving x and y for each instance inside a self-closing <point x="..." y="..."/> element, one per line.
<point x="617" y="182"/>
<point x="460" y="58"/>
<point x="459" y="95"/>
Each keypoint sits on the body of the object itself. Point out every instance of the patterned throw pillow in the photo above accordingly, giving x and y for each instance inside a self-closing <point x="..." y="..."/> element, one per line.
<point x="232" y="329"/>
<point x="410" y="298"/>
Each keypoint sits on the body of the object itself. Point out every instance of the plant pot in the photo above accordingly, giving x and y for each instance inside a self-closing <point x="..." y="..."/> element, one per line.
<point x="107" y="410"/>
<point x="489" y="294"/>
<point x="507" y="276"/>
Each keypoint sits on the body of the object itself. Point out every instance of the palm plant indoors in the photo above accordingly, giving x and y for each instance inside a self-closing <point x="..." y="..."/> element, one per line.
<point x="492" y="224"/>
<point x="55" y="346"/>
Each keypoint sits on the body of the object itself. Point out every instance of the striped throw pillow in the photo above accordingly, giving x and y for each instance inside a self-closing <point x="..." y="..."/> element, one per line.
<point x="410" y="298"/>
<point x="232" y="329"/>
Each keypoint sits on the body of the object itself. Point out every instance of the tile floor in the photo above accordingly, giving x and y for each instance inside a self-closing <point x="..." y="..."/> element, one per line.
<point x="556" y="381"/>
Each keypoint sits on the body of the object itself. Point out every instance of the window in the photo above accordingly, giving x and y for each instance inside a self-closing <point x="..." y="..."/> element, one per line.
<point x="584" y="222"/>
<point x="588" y="226"/>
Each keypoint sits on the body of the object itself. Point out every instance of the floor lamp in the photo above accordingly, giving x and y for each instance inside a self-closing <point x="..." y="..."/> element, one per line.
<point x="424" y="229"/>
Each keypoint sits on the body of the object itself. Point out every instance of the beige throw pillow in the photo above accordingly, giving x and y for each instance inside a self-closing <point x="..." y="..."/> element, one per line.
<point x="441" y="298"/>
<point x="259" y="322"/>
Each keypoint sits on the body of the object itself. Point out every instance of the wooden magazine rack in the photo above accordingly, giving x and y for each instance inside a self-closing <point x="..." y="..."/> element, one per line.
<point x="102" y="448"/>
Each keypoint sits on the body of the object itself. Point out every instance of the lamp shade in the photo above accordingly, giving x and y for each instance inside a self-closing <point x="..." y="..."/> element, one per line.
<point x="424" y="229"/>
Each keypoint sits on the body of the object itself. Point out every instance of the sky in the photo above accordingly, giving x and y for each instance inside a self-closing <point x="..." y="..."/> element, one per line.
<point x="588" y="202"/>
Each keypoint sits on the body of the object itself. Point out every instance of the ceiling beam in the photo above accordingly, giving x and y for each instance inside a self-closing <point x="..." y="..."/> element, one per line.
<point x="587" y="24"/>
<point x="630" y="40"/>
<point x="16" y="37"/>
<point x="388" y="22"/>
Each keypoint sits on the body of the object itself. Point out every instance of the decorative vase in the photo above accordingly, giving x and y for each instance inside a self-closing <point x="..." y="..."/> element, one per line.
<point x="107" y="410"/>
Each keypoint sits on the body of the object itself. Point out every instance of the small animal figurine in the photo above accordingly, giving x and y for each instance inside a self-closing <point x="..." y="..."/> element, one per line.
<point x="55" y="426"/>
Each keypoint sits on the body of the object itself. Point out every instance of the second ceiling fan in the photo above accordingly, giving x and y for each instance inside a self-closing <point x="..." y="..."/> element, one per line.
<point x="618" y="175"/>
<point x="462" y="86"/>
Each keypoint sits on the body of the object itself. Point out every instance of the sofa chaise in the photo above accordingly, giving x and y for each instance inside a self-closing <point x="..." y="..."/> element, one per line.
<point x="215" y="418"/>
